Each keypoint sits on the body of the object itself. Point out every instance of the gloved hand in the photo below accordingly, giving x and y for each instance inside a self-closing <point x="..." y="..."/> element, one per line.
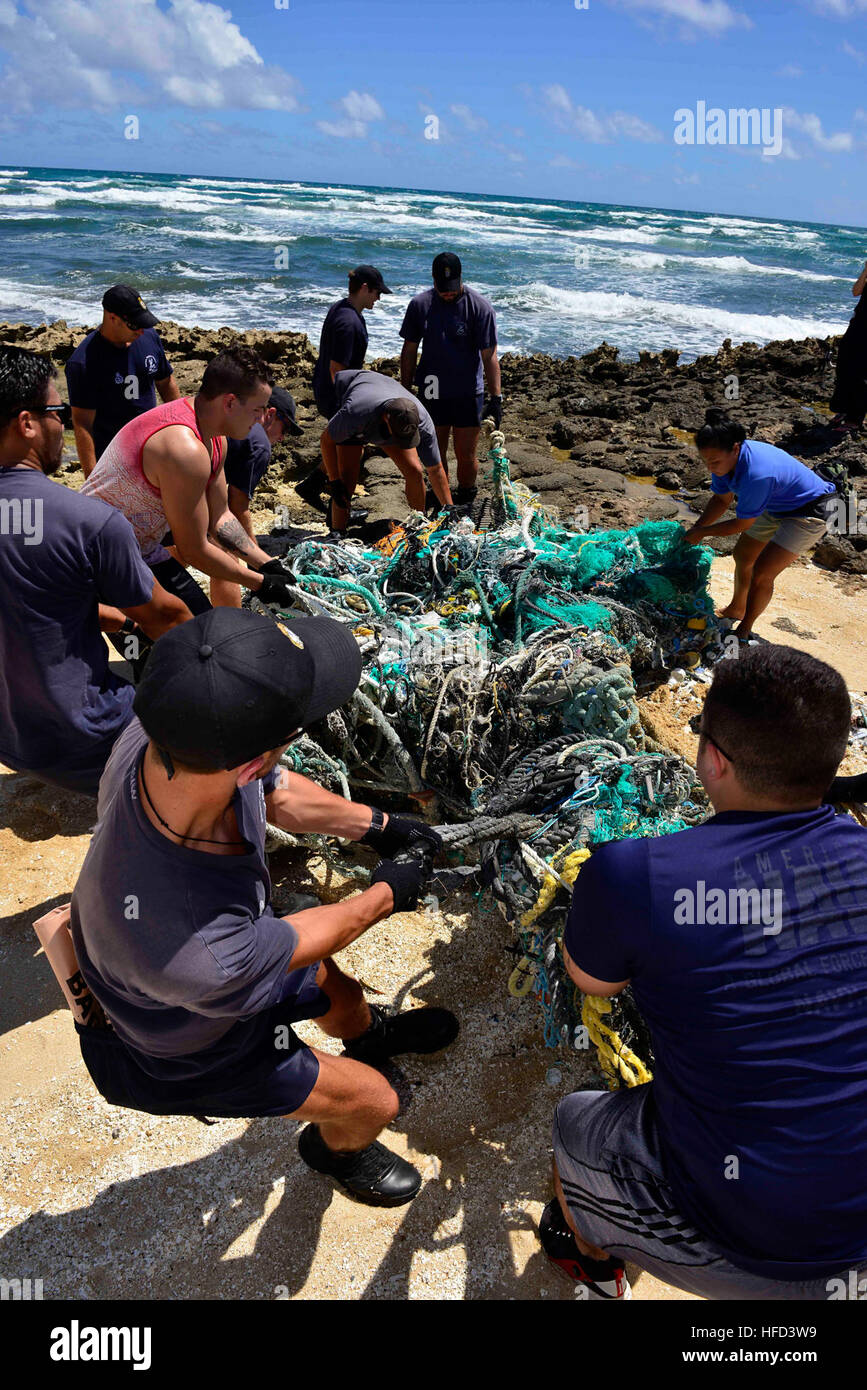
<point x="336" y="489"/>
<point x="275" y="581"/>
<point x="402" y="833"/>
<point x="494" y="409"/>
<point x="405" y="879"/>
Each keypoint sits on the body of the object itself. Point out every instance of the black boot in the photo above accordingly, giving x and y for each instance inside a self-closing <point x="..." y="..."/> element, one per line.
<point x="311" y="488"/>
<point x="464" y="496"/>
<point x="418" y="1030"/>
<point x="373" y="1175"/>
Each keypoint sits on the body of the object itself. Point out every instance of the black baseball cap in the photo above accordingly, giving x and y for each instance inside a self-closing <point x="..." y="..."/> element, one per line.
<point x="284" y="404"/>
<point x="403" y="421"/>
<point x="372" y="277"/>
<point x="447" y="271"/>
<point x="230" y="685"/>
<point x="128" y="304"/>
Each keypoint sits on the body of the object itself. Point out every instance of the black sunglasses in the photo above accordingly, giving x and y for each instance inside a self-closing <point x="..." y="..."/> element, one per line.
<point x="704" y="733"/>
<point x="62" y="411"/>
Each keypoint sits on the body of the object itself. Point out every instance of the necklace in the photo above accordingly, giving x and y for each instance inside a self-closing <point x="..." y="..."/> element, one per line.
<point x="198" y="840"/>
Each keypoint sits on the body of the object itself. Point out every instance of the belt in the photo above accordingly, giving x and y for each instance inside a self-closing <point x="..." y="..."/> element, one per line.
<point x="818" y="507"/>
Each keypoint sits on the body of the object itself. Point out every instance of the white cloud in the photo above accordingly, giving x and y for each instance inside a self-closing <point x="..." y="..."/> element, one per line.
<point x="468" y="117"/>
<point x="706" y="16"/>
<point x="810" y="125"/>
<point x="192" y="54"/>
<point x="790" y="70"/>
<point x="852" y="52"/>
<point x="595" y="129"/>
<point x="841" y="9"/>
<point x="359" y="109"/>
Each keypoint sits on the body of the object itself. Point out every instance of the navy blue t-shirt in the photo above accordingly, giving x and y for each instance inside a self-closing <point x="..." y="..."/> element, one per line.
<point x="452" y="337"/>
<point x="58" y="698"/>
<point x="343" y="339"/>
<point x="247" y="460"/>
<point x="179" y="946"/>
<point x="767" y="479"/>
<point x="757" y="1008"/>
<point x="103" y="377"/>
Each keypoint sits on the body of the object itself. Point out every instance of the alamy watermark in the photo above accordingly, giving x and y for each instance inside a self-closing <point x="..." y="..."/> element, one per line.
<point x="736" y="126"/>
<point x="702" y="906"/>
<point x="22" y="517"/>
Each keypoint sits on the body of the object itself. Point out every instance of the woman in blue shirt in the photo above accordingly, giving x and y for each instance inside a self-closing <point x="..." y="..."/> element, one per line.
<point x="782" y="509"/>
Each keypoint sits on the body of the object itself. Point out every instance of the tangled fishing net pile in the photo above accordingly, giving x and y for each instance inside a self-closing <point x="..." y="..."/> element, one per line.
<point x="499" y="700"/>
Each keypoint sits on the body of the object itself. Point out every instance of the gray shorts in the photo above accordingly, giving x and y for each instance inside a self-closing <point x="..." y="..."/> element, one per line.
<point x="795" y="533"/>
<point x="607" y="1154"/>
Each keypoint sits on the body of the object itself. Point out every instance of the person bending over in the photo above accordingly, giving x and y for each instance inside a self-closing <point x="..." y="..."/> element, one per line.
<point x="740" y="1171"/>
<point x="376" y="410"/>
<point x="164" y="471"/>
<point x="782" y="510"/>
<point x="69" y="566"/>
<point x="199" y="979"/>
<point x="247" y="462"/>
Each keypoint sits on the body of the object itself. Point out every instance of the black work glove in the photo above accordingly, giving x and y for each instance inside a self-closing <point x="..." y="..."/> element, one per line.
<point x="494" y="409"/>
<point x="336" y="489"/>
<point x="405" y="879"/>
<point x="402" y="833"/>
<point x="275" y="581"/>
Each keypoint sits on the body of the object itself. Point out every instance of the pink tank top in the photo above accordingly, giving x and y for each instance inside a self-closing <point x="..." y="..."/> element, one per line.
<point x="119" y="478"/>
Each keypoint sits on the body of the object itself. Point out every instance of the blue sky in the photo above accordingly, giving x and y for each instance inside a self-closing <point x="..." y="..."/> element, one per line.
<point x="531" y="97"/>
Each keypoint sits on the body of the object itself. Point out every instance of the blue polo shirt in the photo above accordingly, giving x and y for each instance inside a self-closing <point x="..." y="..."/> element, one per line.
<point x="118" y="383"/>
<point x="61" y="708"/>
<point x="767" y="479"/>
<point x="746" y="943"/>
<point x="453" y="337"/>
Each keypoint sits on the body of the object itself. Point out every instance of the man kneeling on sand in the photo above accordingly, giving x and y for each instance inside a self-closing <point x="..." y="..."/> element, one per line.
<point x="198" y="978"/>
<point x="739" y="1171"/>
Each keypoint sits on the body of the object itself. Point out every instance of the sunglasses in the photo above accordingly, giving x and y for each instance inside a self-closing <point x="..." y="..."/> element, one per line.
<point x="704" y="733"/>
<point x="62" y="411"/>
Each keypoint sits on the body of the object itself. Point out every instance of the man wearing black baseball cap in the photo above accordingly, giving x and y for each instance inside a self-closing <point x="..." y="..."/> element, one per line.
<point x="458" y="332"/>
<point x="247" y="462"/>
<point x="171" y="917"/>
<point x="373" y="409"/>
<point x="342" y="347"/>
<point x="114" y="373"/>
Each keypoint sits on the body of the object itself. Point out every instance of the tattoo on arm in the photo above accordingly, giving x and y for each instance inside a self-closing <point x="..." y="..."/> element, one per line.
<point x="232" y="537"/>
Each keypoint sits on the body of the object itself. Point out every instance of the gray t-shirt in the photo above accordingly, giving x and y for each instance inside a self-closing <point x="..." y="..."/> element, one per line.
<point x="360" y="398"/>
<point x="180" y="947"/>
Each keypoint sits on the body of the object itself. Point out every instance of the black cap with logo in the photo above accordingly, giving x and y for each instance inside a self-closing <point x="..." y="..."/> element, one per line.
<point x="284" y="404"/>
<point x="128" y="304"/>
<point x="372" y="277"/>
<point x="447" y="271"/>
<point x="230" y="685"/>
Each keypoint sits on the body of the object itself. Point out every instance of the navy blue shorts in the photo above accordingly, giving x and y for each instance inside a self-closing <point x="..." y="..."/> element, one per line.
<point x="465" y="412"/>
<point x="267" y="1080"/>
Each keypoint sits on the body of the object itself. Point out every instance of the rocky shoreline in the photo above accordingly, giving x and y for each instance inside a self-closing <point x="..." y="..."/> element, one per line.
<point x="594" y="431"/>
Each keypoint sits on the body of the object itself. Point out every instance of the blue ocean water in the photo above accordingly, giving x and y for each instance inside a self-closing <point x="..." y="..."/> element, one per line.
<point x="562" y="275"/>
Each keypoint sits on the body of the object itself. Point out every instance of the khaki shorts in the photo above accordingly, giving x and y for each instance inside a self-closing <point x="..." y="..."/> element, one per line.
<point x="795" y="533"/>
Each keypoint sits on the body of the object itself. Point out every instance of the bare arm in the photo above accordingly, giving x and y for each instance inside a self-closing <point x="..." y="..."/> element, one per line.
<point x="227" y="530"/>
<point x="304" y="808"/>
<point x="239" y="506"/>
<point x="329" y="455"/>
<point x="324" y="930"/>
<point x="408" y="358"/>
<point x="177" y="462"/>
<point x="491" y="365"/>
<point x="335" y="367"/>
<point x="162" y="612"/>
<point x="82" y="424"/>
<point x="587" y="983"/>
<point x="718" y="504"/>
<point x="168" y="388"/>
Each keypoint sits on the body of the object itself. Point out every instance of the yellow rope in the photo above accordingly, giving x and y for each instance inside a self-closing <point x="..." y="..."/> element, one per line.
<point x="617" y="1060"/>
<point x="569" y="872"/>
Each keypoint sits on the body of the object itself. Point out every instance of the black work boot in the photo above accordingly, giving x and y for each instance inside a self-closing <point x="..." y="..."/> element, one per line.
<point x="311" y="488"/>
<point x="464" y="496"/>
<point x="418" y="1030"/>
<point x="373" y="1175"/>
